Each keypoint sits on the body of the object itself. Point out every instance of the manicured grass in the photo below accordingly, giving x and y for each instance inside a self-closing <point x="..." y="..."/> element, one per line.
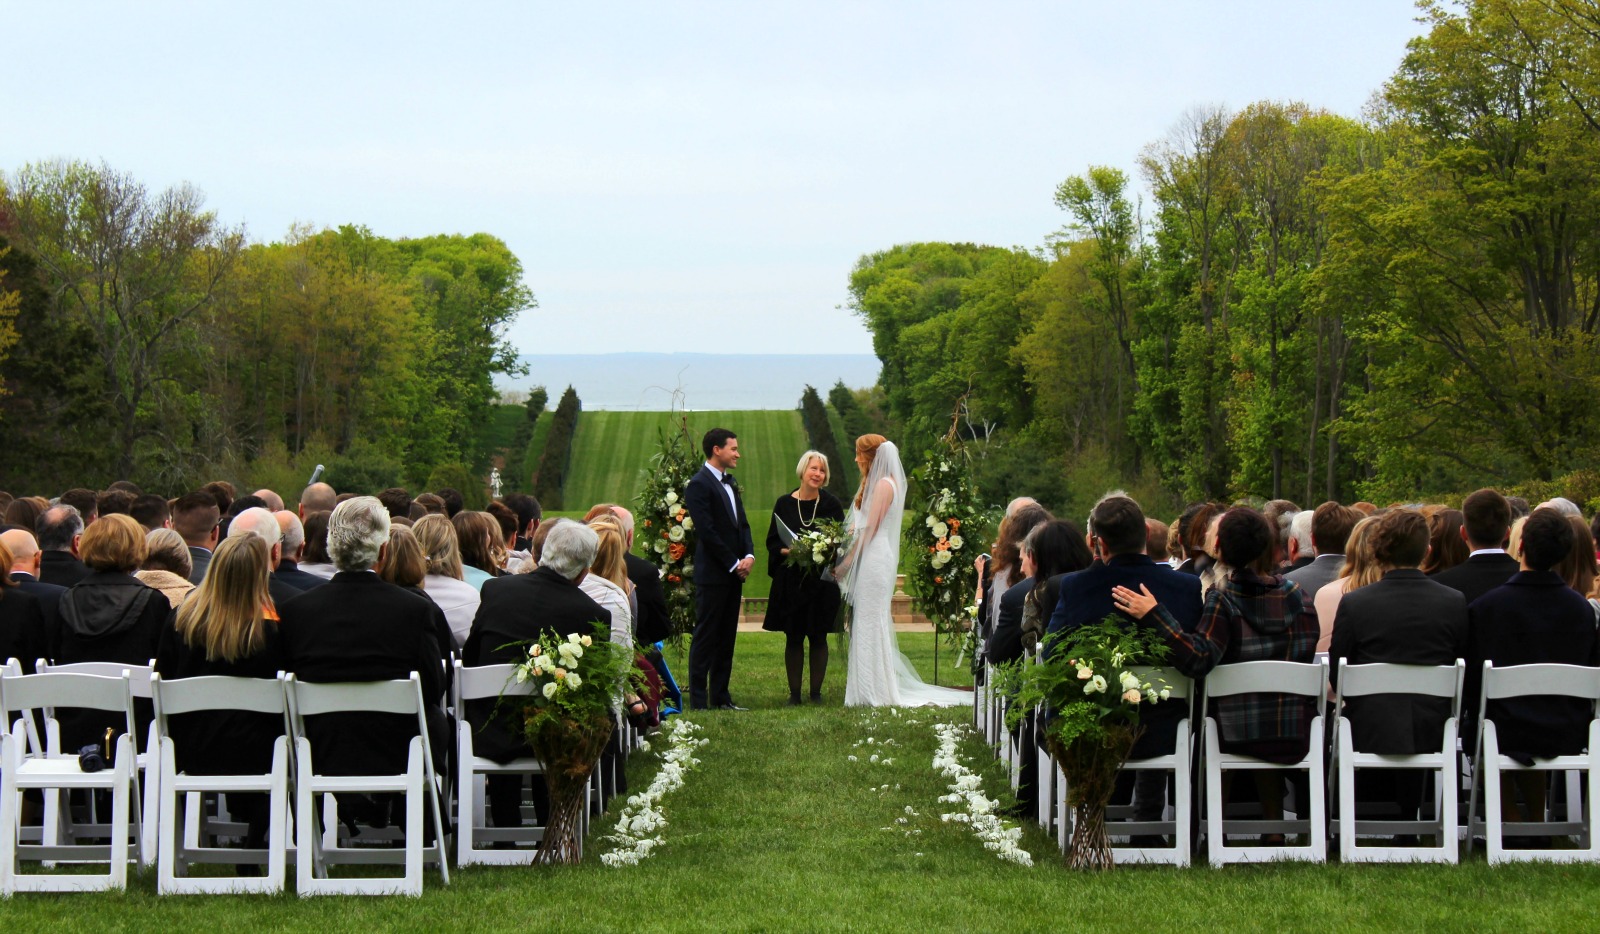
<point x="776" y="830"/>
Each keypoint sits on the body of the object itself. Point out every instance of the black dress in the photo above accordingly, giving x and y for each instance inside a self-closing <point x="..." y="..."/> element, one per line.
<point x="801" y="602"/>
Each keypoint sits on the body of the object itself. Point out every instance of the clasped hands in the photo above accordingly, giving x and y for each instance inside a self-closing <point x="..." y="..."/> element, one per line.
<point x="743" y="567"/>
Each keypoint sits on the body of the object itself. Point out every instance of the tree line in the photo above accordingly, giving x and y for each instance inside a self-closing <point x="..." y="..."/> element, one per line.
<point x="142" y="338"/>
<point x="1309" y="306"/>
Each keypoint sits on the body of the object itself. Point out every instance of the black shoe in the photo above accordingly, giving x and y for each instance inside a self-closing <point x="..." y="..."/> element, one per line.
<point x="816" y="698"/>
<point x="794" y="700"/>
<point x="730" y="705"/>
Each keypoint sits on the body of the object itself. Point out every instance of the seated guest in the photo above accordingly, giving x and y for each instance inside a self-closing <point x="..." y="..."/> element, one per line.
<point x="195" y="517"/>
<point x="1299" y="550"/>
<point x="114" y="503"/>
<point x="1057" y="550"/>
<point x="109" y="616"/>
<point x="405" y="566"/>
<point x="999" y="574"/>
<point x="1192" y="528"/>
<point x="269" y="499"/>
<point x="87" y="502"/>
<point x="22" y="628"/>
<point x="476" y="535"/>
<point x="433" y="505"/>
<point x="1447" y="546"/>
<point x="505" y="545"/>
<point x="318" y="497"/>
<point x="1117" y="540"/>
<point x="24" y="513"/>
<point x="1403" y="619"/>
<point x="1533" y="618"/>
<point x="151" y="511"/>
<point x="1327" y="531"/>
<point x="518" y="609"/>
<point x="1361" y="569"/>
<point x="607" y="581"/>
<point x="529" y="514"/>
<point x="1578" y="567"/>
<point x="444" y="584"/>
<point x="58" y="532"/>
<point x="230" y="628"/>
<point x="166" y="565"/>
<point x="222" y="491"/>
<point x="259" y="521"/>
<point x="315" y="560"/>
<point x="294" y="551"/>
<point x="1485" y="526"/>
<point x="359" y="627"/>
<point x="1155" y="544"/>
<point x="1249" y="617"/>
<point x="24" y="571"/>
<point x="397" y="501"/>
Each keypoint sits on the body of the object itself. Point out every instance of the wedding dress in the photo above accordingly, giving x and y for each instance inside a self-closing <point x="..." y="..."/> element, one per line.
<point x="878" y="674"/>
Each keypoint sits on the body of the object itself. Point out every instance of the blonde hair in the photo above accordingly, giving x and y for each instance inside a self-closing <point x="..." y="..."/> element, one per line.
<point x="867" y="447"/>
<point x="113" y="543"/>
<point x="1361" y="564"/>
<point x="404" y="564"/>
<point x="805" y="462"/>
<point x="608" y="560"/>
<point x="1514" y="540"/>
<point x="227" y="614"/>
<point x="437" y="536"/>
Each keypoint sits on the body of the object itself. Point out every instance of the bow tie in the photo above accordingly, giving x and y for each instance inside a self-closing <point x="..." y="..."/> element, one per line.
<point x="727" y="480"/>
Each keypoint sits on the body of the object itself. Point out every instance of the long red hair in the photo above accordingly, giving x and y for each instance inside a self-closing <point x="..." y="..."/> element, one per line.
<point x="867" y="447"/>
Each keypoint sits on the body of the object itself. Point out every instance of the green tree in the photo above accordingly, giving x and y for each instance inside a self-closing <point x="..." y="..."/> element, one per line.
<point x="819" y="434"/>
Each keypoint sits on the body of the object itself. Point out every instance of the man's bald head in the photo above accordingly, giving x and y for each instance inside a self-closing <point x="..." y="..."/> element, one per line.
<point x="318" y="497"/>
<point x="274" y="501"/>
<point x="625" y="518"/>
<point x="259" y="521"/>
<point x="24" y="550"/>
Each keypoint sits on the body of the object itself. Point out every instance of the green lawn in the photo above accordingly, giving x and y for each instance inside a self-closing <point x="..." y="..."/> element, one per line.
<point x="777" y="830"/>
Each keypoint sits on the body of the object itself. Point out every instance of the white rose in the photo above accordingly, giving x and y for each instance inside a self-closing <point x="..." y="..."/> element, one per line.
<point x="940" y="530"/>
<point x="688" y="524"/>
<point x="675" y="533"/>
<point x="522" y="675"/>
<point x="586" y="640"/>
<point x="931" y="520"/>
<point x="574" y="682"/>
<point x="1129" y="681"/>
<point x="661" y="547"/>
<point x="670" y="498"/>
<point x="549" y="689"/>
<point x="955" y="543"/>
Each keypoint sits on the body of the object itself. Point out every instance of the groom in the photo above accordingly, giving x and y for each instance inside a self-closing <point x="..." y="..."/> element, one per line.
<point x="723" y="556"/>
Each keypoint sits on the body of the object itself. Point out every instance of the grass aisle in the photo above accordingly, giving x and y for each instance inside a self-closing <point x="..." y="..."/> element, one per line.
<point x="777" y="830"/>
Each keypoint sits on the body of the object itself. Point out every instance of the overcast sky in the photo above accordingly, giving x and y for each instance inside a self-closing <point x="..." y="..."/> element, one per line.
<point x="674" y="177"/>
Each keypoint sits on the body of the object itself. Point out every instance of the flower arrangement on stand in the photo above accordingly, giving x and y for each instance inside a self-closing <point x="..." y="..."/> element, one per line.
<point x="666" y="533"/>
<point x="940" y="545"/>
<point x="816" y="551"/>
<point x="1089" y="679"/>
<point x="566" y="689"/>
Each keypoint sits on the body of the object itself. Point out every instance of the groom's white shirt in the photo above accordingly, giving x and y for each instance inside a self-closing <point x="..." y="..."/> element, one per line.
<point x="733" y="504"/>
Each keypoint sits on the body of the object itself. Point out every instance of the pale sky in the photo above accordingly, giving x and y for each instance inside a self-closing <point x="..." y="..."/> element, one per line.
<point x="673" y="176"/>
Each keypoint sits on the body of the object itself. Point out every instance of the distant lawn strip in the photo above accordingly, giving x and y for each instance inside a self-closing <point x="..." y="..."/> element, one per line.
<point x="779" y="831"/>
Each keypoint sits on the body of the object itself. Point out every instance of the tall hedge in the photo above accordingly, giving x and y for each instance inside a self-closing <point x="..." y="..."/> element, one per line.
<point x="520" y="456"/>
<point x="819" y="434"/>
<point x="549" y="482"/>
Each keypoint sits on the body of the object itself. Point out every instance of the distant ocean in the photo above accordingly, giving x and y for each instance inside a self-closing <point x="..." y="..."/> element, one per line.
<point x="645" y="382"/>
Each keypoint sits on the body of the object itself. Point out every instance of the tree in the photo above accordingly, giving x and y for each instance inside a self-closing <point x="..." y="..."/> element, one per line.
<point x="819" y="432"/>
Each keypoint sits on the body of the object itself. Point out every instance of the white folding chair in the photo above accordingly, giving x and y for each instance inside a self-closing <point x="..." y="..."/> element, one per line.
<point x="474" y="836"/>
<point x="1378" y="679"/>
<point x="55" y="773"/>
<point x="181" y="794"/>
<point x="149" y="755"/>
<point x="1178" y="763"/>
<point x="419" y="783"/>
<point x="1308" y="680"/>
<point x="1536" y="681"/>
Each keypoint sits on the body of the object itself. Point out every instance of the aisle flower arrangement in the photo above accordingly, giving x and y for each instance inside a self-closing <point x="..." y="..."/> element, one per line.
<point x="665" y="531"/>
<point x="639" y="827"/>
<point x="941" y="541"/>
<point x="978" y="811"/>
<point x="1095" y="680"/>
<point x="816" y="551"/>
<point x="564" y="689"/>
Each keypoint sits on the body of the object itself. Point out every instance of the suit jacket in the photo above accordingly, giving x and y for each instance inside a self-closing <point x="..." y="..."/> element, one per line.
<point x="650" y="623"/>
<point x="289" y="572"/>
<point x="1086" y="598"/>
<point x="362" y="628"/>
<point x="49" y="597"/>
<point x="1005" y="643"/>
<point x="1532" y="618"/>
<point x="721" y="535"/>
<point x="1405" y="619"/>
<point x="61" y="568"/>
<point x="216" y="742"/>
<point x="519" y="609"/>
<point x="200" y="559"/>
<point x="22" y="628"/>
<point x="1318" y="574"/>
<point x="1479" y="574"/>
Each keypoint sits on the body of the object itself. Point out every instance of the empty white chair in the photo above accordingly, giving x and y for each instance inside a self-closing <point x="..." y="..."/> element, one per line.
<point x="180" y="793"/>
<point x="55" y="773"/>
<point x="149" y="755"/>
<point x="419" y="784"/>
<point x="1178" y="762"/>
<point x="474" y="836"/>
<point x="1308" y="680"/>
<point x="1489" y="764"/>
<point x="1378" y="679"/>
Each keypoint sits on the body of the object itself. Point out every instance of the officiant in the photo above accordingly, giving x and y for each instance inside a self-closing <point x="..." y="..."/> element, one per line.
<point x="802" y="605"/>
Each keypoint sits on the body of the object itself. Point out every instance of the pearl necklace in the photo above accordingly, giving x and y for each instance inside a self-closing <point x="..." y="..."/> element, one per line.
<point x="799" y="510"/>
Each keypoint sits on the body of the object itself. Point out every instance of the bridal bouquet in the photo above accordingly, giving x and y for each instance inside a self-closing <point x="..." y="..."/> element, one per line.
<point x="566" y="688"/>
<point x="941" y="544"/>
<point x="666" y="533"/>
<point x="1095" y="680"/>
<point x="816" y="550"/>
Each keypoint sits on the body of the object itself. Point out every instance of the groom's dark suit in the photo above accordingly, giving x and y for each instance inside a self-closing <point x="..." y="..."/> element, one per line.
<point x="721" y="540"/>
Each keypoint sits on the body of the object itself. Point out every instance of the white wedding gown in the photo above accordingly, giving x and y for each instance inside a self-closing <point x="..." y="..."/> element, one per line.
<point x="878" y="675"/>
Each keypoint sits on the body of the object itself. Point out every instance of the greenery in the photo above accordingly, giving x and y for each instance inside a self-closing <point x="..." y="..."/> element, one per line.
<point x="819" y="432"/>
<point x="664" y="533"/>
<point x="549" y="484"/>
<point x="777" y="830"/>
<point x="943" y="534"/>
<point x="1309" y="305"/>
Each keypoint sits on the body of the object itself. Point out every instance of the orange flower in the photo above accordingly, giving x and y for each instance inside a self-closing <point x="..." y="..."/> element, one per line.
<point x="932" y="549"/>
<point x="942" y="546"/>
<point x="674" y="578"/>
<point x="953" y="524"/>
<point x="938" y="580"/>
<point x="676" y="551"/>
<point x="663" y="533"/>
<point x="647" y="523"/>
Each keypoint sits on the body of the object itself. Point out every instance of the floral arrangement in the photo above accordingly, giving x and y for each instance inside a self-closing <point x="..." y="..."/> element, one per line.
<point x="941" y="545"/>
<point x="816" y="551"/>
<point x="1095" y="682"/>
<point x="966" y="788"/>
<point x="639" y="827"/>
<point x="666" y="533"/>
<point x="570" y="686"/>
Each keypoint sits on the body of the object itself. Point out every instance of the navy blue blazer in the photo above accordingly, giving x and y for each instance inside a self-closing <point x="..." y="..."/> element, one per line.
<point x="721" y="535"/>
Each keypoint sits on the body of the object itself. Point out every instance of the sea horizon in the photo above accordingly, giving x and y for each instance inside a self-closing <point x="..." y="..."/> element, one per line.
<point x="647" y="382"/>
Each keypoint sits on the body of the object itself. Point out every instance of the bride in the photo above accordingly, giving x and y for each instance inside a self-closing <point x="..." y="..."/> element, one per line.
<point x="878" y="675"/>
